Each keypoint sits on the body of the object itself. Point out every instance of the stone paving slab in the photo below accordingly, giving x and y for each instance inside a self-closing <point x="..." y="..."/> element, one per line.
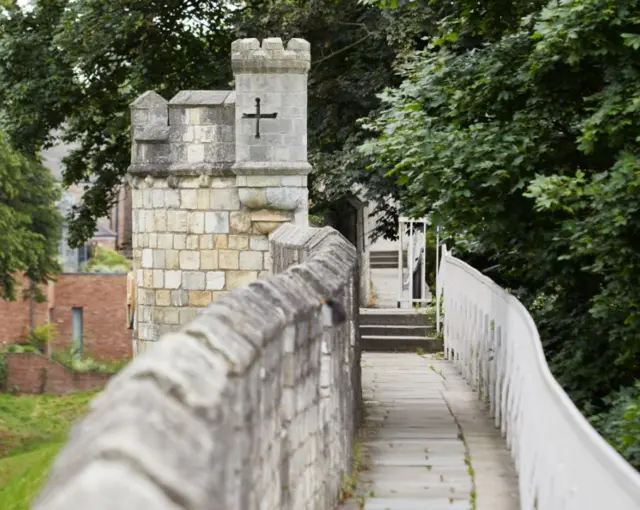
<point x="450" y="446"/>
<point x="418" y="411"/>
<point x="414" y="476"/>
<point x="415" y="504"/>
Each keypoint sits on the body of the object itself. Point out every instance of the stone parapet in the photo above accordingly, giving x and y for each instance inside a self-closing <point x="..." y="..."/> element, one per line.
<point x="253" y="404"/>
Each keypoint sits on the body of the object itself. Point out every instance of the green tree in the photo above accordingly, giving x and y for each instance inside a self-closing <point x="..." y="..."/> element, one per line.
<point x="77" y="65"/>
<point x="354" y="50"/>
<point x="29" y="222"/>
<point x="521" y="140"/>
<point x="106" y="260"/>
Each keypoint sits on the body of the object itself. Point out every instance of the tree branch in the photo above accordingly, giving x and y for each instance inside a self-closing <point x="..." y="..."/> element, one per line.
<point x="349" y="24"/>
<point x="341" y="50"/>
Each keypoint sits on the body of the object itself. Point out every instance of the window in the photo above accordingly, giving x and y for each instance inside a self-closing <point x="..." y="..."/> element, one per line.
<point x="83" y="254"/>
<point x="76" y="329"/>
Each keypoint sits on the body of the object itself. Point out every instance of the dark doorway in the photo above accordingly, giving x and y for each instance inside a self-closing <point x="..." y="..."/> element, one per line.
<point x="346" y="216"/>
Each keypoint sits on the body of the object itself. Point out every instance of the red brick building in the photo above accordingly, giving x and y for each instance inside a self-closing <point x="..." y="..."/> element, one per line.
<point x="88" y="309"/>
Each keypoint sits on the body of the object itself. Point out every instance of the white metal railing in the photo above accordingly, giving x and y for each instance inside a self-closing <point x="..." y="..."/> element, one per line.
<point x="412" y="236"/>
<point x="562" y="462"/>
<point x="415" y="249"/>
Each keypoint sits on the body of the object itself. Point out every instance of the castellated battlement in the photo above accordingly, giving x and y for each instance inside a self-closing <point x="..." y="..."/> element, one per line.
<point x="193" y="132"/>
<point x="247" y="55"/>
<point x="217" y="132"/>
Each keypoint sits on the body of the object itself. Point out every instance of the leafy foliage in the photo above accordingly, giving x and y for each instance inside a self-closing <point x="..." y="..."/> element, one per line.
<point x="75" y="360"/>
<point x="29" y="222"/>
<point x="353" y="52"/>
<point x="40" y="337"/>
<point x="20" y="348"/>
<point x="620" y="425"/>
<point x="105" y="260"/>
<point x="521" y="140"/>
<point x="77" y="65"/>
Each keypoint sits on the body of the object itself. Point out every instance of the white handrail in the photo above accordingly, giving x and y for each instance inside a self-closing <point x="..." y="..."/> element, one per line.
<point x="415" y="241"/>
<point x="415" y="250"/>
<point x="562" y="462"/>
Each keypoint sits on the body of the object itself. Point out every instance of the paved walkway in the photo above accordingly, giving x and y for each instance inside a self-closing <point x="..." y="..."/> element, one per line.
<point x="427" y="442"/>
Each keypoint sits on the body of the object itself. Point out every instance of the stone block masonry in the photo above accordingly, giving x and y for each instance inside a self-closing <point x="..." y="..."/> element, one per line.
<point x="211" y="178"/>
<point x="250" y="405"/>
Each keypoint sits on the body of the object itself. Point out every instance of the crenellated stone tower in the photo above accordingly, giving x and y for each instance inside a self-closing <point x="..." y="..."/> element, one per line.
<point x="213" y="173"/>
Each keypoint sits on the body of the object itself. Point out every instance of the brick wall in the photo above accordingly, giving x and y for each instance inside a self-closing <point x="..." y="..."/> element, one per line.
<point x="102" y="298"/>
<point x="33" y="373"/>
<point x="14" y="316"/>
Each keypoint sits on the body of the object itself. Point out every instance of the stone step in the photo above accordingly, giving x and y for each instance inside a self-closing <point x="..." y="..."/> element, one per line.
<point x="377" y="343"/>
<point x="395" y="317"/>
<point x="396" y="329"/>
<point x="383" y="265"/>
<point x="385" y="258"/>
<point x="386" y="253"/>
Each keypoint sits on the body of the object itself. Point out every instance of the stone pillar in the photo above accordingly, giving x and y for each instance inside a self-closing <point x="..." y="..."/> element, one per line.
<point x="206" y="192"/>
<point x="272" y="168"/>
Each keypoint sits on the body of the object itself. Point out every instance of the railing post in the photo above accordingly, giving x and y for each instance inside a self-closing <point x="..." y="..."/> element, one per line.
<point x="423" y="272"/>
<point x="400" y="243"/>
<point x="439" y="282"/>
<point x="410" y="261"/>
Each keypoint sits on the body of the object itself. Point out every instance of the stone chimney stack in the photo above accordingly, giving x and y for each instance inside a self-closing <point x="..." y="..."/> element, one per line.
<point x="212" y="175"/>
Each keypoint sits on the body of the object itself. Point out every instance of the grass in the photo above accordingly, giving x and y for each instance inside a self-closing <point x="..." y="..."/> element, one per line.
<point x="22" y="476"/>
<point x="32" y="431"/>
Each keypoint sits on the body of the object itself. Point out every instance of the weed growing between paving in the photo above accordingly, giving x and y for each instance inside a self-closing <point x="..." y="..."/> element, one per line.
<point x="350" y="481"/>
<point x="349" y="487"/>
<point x="467" y="460"/>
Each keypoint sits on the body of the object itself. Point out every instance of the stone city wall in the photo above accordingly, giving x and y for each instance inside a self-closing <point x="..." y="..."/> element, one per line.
<point x="253" y="404"/>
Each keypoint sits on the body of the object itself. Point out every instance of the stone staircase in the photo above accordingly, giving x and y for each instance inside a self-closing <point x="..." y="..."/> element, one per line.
<point x="387" y="259"/>
<point x="398" y="330"/>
